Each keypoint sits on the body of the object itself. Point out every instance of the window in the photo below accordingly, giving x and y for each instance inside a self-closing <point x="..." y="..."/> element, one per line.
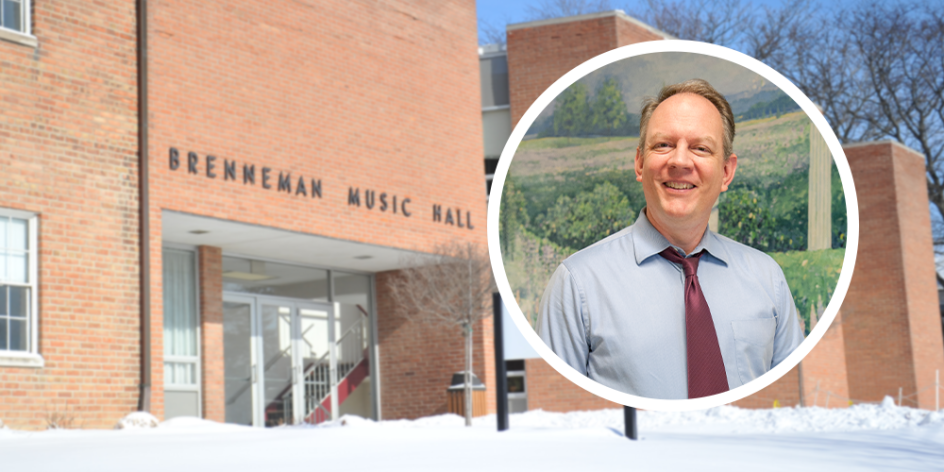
<point x="181" y="334"/>
<point x="15" y="22"/>
<point x="18" y="287"/>
<point x="12" y="15"/>
<point x="517" y="391"/>
<point x="180" y="318"/>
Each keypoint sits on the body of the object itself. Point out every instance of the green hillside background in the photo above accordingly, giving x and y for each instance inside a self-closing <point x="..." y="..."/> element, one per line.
<point x="573" y="184"/>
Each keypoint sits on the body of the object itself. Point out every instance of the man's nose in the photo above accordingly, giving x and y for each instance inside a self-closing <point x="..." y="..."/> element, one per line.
<point x="681" y="157"/>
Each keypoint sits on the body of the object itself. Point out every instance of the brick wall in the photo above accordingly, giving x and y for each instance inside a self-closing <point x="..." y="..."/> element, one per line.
<point x="892" y="322"/>
<point x="68" y="150"/>
<point x="541" y="52"/>
<point x="550" y="391"/>
<point x="418" y="359"/>
<point x="211" y="332"/>
<point x="367" y="95"/>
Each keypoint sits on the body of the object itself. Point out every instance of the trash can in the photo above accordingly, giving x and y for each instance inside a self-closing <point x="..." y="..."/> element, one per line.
<point x="456" y="394"/>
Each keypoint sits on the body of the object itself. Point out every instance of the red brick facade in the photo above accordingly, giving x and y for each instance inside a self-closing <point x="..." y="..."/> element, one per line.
<point x="541" y="52"/>
<point x="210" y="276"/>
<point x="551" y="391"/>
<point x="378" y="96"/>
<point x="891" y="333"/>
<point x="419" y="358"/>
<point x="892" y="321"/>
<point x="68" y="147"/>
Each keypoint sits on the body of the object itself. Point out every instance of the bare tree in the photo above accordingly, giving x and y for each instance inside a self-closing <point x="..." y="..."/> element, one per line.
<point x="876" y="69"/>
<point x="903" y="53"/>
<point x="717" y="22"/>
<point x="454" y="286"/>
<point x="559" y="8"/>
<point x="489" y="33"/>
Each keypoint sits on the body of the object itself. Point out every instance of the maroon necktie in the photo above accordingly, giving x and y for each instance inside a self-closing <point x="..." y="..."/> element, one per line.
<point x="706" y="375"/>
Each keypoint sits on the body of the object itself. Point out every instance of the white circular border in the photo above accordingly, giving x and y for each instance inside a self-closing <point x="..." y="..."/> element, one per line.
<point x="845" y="174"/>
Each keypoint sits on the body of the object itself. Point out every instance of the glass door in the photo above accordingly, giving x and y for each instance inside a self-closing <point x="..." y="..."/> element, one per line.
<point x="279" y="363"/>
<point x="279" y="374"/>
<point x="239" y="368"/>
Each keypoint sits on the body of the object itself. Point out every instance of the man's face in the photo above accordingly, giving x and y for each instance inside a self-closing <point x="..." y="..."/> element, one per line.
<point x="683" y="169"/>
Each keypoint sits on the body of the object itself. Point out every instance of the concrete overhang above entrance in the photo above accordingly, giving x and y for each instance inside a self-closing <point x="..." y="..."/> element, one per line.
<point x="278" y="244"/>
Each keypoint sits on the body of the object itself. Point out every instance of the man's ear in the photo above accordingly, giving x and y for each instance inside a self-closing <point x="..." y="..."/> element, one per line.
<point x="638" y="165"/>
<point x="730" y="166"/>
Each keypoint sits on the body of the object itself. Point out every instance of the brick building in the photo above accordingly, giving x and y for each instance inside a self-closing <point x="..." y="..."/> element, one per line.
<point x="888" y="333"/>
<point x="204" y="200"/>
<point x="295" y="157"/>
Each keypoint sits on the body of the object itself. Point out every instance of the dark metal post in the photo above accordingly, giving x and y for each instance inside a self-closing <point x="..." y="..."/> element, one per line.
<point x="144" y="210"/>
<point x="629" y="416"/>
<point x="501" y="376"/>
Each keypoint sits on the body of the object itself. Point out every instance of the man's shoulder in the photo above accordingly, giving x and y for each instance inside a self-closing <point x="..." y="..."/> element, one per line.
<point x="616" y="246"/>
<point x="745" y="256"/>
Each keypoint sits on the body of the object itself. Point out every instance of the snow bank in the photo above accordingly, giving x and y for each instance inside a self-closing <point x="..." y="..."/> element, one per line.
<point x="724" y="419"/>
<point x="138" y="420"/>
<point x="193" y="424"/>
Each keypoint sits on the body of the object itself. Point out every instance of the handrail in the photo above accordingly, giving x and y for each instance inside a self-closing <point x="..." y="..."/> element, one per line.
<point x="316" y="375"/>
<point x="317" y="386"/>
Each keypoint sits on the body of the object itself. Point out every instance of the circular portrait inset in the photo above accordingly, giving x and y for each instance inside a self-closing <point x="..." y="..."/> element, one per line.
<point x="675" y="223"/>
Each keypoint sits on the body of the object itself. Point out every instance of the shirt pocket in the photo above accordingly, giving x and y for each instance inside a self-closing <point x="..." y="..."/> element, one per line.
<point x="754" y="342"/>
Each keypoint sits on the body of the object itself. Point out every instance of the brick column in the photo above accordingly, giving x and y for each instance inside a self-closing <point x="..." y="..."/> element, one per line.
<point x="540" y="52"/>
<point x="825" y="368"/>
<point x="550" y="391"/>
<point x="417" y="359"/>
<point x="211" y="331"/>
<point x="892" y="321"/>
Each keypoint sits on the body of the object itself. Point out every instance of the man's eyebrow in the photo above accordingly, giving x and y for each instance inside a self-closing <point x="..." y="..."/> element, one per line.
<point x="657" y="135"/>
<point x="706" y="138"/>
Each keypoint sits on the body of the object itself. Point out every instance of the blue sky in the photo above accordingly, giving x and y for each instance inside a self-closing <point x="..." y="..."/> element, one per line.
<point x="502" y="12"/>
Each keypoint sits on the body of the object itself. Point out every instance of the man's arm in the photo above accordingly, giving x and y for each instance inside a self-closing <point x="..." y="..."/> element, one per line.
<point x="789" y="335"/>
<point x="562" y="323"/>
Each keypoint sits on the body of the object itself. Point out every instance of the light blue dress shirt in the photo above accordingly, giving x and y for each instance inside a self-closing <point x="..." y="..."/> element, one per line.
<point x="615" y="311"/>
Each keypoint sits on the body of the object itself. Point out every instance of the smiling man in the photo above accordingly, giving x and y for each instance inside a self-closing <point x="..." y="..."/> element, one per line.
<point x="666" y="308"/>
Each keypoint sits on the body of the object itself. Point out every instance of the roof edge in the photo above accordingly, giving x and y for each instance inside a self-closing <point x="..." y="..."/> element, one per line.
<point x="590" y="16"/>
<point x="913" y="151"/>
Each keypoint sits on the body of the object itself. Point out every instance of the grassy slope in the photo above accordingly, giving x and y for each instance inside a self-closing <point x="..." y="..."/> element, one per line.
<point x="769" y="150"/>
<point x="812" y="277"/>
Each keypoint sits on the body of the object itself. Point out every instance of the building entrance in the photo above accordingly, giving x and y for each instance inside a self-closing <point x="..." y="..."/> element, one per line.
<point x="284" y="358"/>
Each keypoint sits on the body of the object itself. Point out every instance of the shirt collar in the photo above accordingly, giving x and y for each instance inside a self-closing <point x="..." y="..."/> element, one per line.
<point x="648" y="241"/>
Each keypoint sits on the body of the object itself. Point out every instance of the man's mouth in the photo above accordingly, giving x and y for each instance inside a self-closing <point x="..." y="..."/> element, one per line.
<point x="679" y="185"/>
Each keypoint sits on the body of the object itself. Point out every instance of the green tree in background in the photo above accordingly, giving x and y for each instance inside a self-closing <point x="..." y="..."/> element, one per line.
<point x="584" y="219"/>
<point x="745" y="218"/>
<point x="572" y="114"/>
<point x="512" y="216"/>
<point x="608" y="112"/>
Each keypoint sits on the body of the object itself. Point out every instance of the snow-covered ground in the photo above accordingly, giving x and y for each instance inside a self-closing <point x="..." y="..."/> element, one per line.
<point x="863" y="437"/>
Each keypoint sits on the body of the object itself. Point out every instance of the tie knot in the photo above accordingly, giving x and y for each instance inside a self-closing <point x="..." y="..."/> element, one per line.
<point x="689" y="264"/>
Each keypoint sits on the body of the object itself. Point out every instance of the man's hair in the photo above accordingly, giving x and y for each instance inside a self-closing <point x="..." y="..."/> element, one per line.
<point x="698" y="87"/>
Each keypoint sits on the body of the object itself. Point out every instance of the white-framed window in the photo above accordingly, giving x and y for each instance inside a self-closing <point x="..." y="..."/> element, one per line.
<point x="13" y="15"/>
<point x="15" y="22"/>
<point x="181" y="333"/>
<point x="19" y="298"/>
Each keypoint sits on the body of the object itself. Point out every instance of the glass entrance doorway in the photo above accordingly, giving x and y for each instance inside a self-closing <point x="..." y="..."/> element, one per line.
<point x="281" y="358"/>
